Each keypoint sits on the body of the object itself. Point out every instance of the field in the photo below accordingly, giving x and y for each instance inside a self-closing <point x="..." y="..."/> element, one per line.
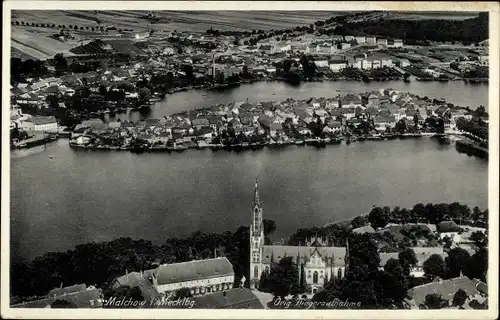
<point x="36" y="43"/>
<point x="178" y="20"/>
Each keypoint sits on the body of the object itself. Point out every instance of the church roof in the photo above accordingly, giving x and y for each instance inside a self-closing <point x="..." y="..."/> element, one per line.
<point x="194" y="270"/>
<point x="279" y="252"/>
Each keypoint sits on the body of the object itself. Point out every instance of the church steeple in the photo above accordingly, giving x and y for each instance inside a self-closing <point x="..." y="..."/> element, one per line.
<point x="256" y="239"/>
<point x="256" y="199"/>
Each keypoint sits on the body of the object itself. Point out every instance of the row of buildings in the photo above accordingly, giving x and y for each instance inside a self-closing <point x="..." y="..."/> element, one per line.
<point x="384" y="108"/>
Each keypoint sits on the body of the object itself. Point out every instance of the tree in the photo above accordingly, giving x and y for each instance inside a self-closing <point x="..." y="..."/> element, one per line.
<point x="478" y="265"/>
<point x="52" y="101"/>
<point x="144" y="94"/>
<point x="378" y="218"/>
<point x="60" y="303"/>
<point x="363" y="252"/>
<point x="359" y="221"/>
<point x="61" y="64"/>
<point x="459" y="298"/>
<point x="479" y="239"/>
<point x="407" y="259"/>
<point x="448" y="242"/>
<point x="269" y="226"/>
<point x="393" y="266"/>
<point x="282" y="277"/>
<point x="456" y="262"/>
<point x="219" y="78"/>
<point x="434" y="266"/>
<point x="103" y="90"/>
<point x="434" y="301"/>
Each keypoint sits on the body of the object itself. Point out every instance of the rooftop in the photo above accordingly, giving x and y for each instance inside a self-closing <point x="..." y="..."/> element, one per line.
<point x="194" y="270"/>
<point x="239" y="298"/>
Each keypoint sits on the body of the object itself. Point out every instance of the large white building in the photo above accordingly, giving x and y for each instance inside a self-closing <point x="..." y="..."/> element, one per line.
<point x="40" y="123"/>
<point x="316" y="262"/>
<point x="201" y="276"/>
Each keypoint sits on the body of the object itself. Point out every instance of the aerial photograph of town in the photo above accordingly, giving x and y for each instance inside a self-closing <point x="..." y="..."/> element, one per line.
<point x="249" y="159"/>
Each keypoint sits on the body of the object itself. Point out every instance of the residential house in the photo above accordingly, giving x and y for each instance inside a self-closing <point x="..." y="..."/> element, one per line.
<point x="351" y="101"/>
<point x="345" y="46"/>
<point x="349" y="38"/>
<point x="382" y="42"/>
<point x="337" y="65"/>
<point x="381" y="122"/>
<point x="141" y="280"/>
<point x="373" y="99"/>
<point x="246" y="118"/>
<point x="363" y="230"/>
<point x="445" y="288"/>
<point x="80" y="296"/>
<point x="206" y="133"/>
<point x="334" y="126"/>
<point x="355" y="63"/>
<point x="325" y="48"/>
<point x="348" y="113"/>
<point x="275" y="129"/>
<point x="200" y="276"/>
<point x="42" y="123"/>
<point x="302" y="129"/>
<point x="360" y="39"/>
<point x="386" y="62"/>
<point x="321" y="113"/>
<point x="332" y="103"/>
<point x="421" y="253"/>
<point x="312" y="49"/>
<point x="321" y="63"/>
<point x="371" y="40"/>
<point x="200" y="122"/>
<point x="449" y="229"/>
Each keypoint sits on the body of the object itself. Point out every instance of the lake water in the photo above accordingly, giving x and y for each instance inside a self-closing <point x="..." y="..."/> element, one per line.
<point x="83" y="196"/>
<point x="456" y="92"/>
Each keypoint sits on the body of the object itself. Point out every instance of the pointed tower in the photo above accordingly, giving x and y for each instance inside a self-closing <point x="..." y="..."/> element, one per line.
<point x="256" y="239"/>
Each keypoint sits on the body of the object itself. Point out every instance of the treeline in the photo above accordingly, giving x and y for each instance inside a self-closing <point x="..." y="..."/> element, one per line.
<point x="467" y="31"/>
<point x="66" y="27"/>
<point x="476" y="127"/>
<point x="99" y="263"/>
<point x="380" y="216"/>
<point x="21" y="70"/>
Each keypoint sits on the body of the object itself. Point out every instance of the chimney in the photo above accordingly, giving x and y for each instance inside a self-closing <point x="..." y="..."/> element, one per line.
<point x="60" y="286"/>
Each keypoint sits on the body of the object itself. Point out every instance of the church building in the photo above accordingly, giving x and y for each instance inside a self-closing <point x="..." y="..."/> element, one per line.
<point x="316" y="261"/>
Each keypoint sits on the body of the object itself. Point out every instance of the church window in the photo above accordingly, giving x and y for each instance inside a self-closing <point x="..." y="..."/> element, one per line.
<point x="339" y="273"/>
<point x="315" y="277"/>
<point x="255" y="271"/>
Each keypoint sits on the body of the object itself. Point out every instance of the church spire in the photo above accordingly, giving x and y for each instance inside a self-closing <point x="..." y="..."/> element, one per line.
<point x="256" y="199"/>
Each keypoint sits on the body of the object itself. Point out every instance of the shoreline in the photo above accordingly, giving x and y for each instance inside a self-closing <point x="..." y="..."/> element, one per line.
<point x="318" y="143"/>
<point x="279" y="80"/>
